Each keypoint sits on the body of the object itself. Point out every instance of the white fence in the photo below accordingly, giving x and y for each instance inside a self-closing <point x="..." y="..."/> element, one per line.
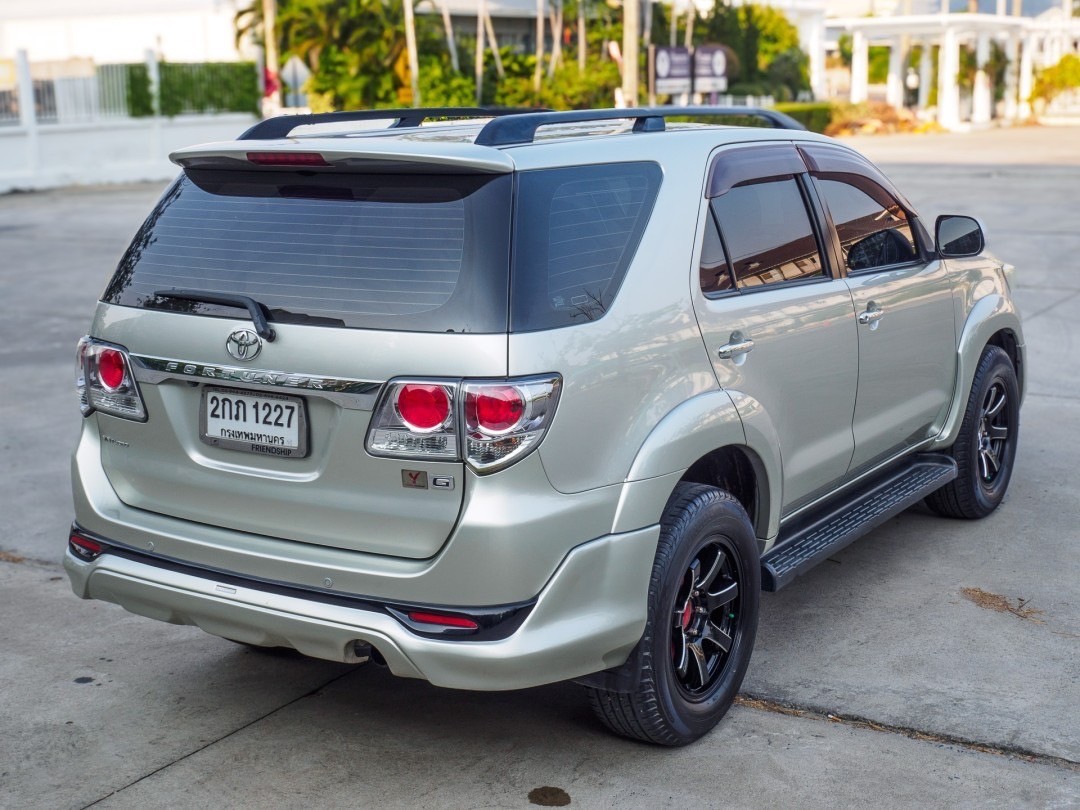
<point x="116" y="151"/>
<point x="75" y="129"/>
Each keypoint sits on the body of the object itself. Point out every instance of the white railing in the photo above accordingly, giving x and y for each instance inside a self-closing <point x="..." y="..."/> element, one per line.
<point x="9" y="107"/>
<point x="112" y="91"/>
<point x="78" y="91"/>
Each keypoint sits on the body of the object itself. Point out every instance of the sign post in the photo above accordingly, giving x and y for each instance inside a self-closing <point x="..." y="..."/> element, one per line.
<point x="710" y="69"/>
<point x="294" y="74"/>
<point x="670" y="71"/>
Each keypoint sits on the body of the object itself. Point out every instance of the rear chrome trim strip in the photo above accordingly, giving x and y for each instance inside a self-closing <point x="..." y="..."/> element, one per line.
<point x="358" y="395"/>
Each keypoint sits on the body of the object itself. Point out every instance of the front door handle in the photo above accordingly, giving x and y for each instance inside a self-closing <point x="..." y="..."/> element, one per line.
<point x="738" y="346"/>
<point x="871" y="316"/>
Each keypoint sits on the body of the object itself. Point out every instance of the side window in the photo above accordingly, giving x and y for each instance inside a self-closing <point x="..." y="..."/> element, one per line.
<point x="874" y="230"/>
<point x="768" y="234"/>
<point x="576" y="231"/>
<point x="715" y="274"/>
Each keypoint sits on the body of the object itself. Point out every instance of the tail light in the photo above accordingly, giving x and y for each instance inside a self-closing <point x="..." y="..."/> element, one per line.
<point x="404" y="425"/>
<point x="488" y="424"/>
<point x="287" y="159"/>
<point x="504" y="421"/>
<point x="104" y="381"/>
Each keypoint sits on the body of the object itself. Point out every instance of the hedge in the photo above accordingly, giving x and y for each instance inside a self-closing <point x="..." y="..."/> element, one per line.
<point x="194" y="88"/>
<point x="814" y="115"/>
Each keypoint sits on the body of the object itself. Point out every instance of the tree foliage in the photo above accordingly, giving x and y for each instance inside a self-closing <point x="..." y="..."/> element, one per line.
<point x="355" y="50"/>
<point x="1058" y="79"/>
<point x="766" y="45"/>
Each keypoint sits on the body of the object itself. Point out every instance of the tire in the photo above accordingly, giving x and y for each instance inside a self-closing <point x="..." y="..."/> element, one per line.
<point x="684" y="681"/>
<point x="986" y="446"/>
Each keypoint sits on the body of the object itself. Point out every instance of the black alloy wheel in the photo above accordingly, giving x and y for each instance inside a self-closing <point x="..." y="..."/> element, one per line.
<point x="706" y="618"/>
<point x="985" y="447"/>
<point x="993" y="431"/>
<point x="704" y="594"/>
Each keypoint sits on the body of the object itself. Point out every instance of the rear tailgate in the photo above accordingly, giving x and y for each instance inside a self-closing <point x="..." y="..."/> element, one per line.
<point x="365" y="279"/>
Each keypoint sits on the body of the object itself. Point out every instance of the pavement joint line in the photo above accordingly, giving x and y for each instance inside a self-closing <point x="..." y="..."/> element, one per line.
<point x="222" y="738"/>
<point x="765" y="704"/>
<point x="1045" y="395"/>
<point x="1054" y="305"/>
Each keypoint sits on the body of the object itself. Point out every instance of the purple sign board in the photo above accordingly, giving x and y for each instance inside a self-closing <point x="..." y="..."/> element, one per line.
<point x="710" y="69"/>
<point x="672" y="67"/>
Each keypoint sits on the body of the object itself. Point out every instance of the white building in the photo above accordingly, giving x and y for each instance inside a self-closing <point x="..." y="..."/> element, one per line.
<point x="113" y="31"/>
<point x="1030" y="43"/>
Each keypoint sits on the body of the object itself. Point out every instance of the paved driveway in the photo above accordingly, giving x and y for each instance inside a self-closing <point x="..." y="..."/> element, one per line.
<point x="875" y="679"/>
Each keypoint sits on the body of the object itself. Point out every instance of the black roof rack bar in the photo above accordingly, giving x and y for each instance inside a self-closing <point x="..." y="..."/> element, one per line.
<point x="521" y="128"/>
<point x="772" y="118"/>
<point x="516" y="129"/>
<point x="281" y="125"/>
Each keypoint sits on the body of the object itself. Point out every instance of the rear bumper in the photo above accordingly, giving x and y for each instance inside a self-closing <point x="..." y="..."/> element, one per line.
<point x="587" y="618"/>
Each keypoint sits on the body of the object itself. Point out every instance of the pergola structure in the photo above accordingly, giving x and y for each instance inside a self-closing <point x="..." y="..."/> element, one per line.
<point x="1029" y="43"/>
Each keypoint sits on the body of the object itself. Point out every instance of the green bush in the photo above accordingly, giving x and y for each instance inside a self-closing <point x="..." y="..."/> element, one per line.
<point x="140" y="101"/>
<point x="569" y="89"/>
<point x="208" y="87"/>
<point x="814" y="115"/>
<point x="1053" y="81"/>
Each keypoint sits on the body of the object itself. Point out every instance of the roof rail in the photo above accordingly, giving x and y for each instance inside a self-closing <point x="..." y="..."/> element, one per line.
<point x="280" y="126"/>
<point x="521" y="128"/>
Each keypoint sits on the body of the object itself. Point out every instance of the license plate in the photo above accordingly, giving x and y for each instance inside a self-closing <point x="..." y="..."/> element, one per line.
<point x="268" y="424"/>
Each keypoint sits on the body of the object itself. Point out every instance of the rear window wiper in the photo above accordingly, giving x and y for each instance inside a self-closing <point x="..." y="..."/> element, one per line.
<point x="257" y="311"/>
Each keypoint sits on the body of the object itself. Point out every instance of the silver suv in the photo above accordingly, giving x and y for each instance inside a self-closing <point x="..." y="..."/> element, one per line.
<point x="503" y="401"/>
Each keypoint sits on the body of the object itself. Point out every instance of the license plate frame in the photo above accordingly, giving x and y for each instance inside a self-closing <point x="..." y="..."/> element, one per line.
<point x="247" y="445"/>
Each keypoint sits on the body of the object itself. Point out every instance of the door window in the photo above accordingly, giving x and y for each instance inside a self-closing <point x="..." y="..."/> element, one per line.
<point x="714" y="269"/>
<point x="874" y="230"/>
<point x="767" y="231"/>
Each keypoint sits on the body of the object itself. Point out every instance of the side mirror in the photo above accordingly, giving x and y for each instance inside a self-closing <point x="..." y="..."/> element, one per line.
<point x="958" y="236"/>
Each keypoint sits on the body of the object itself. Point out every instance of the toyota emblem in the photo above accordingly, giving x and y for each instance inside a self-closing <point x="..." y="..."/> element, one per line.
<point x="243" y="344"/>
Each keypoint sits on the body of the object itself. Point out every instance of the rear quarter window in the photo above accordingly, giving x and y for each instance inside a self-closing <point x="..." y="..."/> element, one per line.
<point x="576" y="232"/>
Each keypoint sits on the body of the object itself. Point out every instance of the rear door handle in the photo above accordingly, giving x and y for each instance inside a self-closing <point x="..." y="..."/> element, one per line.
<point x="737" y="346"/>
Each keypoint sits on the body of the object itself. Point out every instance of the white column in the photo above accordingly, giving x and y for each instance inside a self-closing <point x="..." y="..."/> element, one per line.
<point x="948" y="90"/>
<point x="982" y="98"/>
<point x="894" y="86"/>
<point x="1055" y="48"/>
<point x="860" y="67"/>
<point x="25" y="85"/>
<point x="1026" y="79"/>
<point x="1012" y="53"/>
<point x="27" y="116"/>
<point x="926" y="73"/>
<point x="812" y="40"/>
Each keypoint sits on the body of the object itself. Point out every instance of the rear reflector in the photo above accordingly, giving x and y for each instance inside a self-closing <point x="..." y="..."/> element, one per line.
<point x="442" y="620"/>
<point x="84" y="547"/>
<point x="286" y="159"/>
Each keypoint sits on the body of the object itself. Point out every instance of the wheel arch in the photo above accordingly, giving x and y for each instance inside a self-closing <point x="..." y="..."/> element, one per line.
<point x="720" y="438"/>
<point x="992" y="321"/>
<point x="739" y="470"/>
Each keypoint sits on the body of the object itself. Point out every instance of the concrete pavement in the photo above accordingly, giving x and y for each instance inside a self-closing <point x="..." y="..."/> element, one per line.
<point x="102" y="705"/>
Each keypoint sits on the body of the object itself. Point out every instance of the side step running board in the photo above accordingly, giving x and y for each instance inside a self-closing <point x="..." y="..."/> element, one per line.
<point x="822" y="535"/>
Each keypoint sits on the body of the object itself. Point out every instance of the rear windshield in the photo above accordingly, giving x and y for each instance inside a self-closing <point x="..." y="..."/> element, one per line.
<point x="380" y="251"/>
<point x="394" y="251"/>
